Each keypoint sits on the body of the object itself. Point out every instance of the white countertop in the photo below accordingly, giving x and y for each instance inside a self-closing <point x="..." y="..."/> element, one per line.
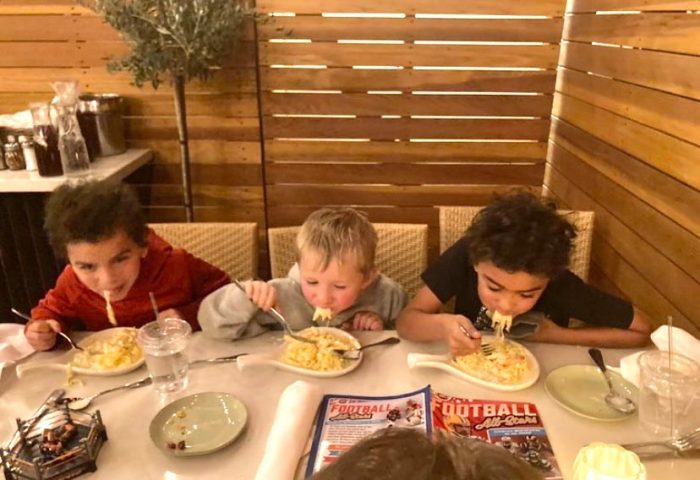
<point x="129" y="452"/>
<point x="115" y="166"/>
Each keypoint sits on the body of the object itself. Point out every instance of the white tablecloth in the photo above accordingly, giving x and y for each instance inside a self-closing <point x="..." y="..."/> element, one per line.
<point x="129" y="453"/>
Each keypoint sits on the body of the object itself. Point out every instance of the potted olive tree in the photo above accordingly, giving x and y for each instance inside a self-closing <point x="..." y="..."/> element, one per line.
<point x="175" y="40"/>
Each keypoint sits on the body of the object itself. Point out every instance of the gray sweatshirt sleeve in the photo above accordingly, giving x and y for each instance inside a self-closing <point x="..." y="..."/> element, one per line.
<point x="227" y="314"/>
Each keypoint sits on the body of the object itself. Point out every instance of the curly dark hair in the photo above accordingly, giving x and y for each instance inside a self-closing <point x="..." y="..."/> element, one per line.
<point x="91" y="211"/>
<point x="519" y="232"/>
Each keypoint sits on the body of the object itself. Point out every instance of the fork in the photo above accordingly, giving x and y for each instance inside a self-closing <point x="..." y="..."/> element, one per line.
<point x="68" y="339"/>
<point x="676" y="446"/>
<point x="278" y="316"/>
<point x="486" y="348"/>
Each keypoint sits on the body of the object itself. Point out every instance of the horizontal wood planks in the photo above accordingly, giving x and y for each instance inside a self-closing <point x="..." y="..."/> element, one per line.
<point x="47" y="40"/>
<point x="625" y="143"/>
<point x="395" y="110"/>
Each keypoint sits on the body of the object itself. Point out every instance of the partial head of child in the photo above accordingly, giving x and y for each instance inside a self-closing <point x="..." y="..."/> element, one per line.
<point x="517" y="244"/>
<point x="407" y="454"/>
<point x="100" y="229"/>
<point x="336" y="248"/>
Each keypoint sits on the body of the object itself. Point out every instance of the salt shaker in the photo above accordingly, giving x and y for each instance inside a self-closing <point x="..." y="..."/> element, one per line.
<point x="13" y="154"/>
<point x="28" y="151"/>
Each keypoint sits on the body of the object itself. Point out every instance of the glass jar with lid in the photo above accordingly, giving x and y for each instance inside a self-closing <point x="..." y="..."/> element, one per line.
<point x="13" y="154"/>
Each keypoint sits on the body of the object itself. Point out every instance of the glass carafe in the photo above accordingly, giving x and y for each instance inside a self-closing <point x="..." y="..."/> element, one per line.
<point x="48" y="158"/>
<point x="74" y="154"/>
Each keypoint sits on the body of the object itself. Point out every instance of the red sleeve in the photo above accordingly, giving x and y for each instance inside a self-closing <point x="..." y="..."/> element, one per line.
<point x="56" y="304"/>
<point x="206" y="278"/>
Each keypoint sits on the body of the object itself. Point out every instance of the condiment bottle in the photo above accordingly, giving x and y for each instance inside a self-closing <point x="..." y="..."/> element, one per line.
<point x="48" y="158"/>
<point x="13" y="154"/>
<point x="28" y="151"/>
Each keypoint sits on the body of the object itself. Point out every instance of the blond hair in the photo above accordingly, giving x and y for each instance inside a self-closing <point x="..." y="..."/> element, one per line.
<point x="342" y="234"/>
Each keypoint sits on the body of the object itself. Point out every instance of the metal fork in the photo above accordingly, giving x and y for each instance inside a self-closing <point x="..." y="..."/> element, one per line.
<point x="278" y="316"/>
<point x="486" y="348"/>
<point x="678" y="446"/>
<point x="66" y="337"/>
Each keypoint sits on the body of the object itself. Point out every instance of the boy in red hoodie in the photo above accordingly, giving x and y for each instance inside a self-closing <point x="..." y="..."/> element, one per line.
<point x="99" y="227"/>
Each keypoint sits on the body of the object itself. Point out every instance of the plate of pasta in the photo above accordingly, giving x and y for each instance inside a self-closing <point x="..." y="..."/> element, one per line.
<point x="109" y="352"/>
<point x="509" y="367"/>
<point x="313" y="359"/>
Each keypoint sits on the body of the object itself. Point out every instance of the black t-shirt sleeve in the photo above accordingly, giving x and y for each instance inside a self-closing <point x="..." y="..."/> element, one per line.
<point x="570" y="297"/>
<point x="448" y="273"/>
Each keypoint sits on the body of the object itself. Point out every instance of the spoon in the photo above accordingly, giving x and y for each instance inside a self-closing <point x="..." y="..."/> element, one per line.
<point x="613" y="398"/>
<point x="29" y="319"/>
<point x="355" y="354"/>
<point x="82" y="403"/>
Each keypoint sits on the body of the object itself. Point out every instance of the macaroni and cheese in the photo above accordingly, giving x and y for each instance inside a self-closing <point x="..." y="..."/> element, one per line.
<point x="318" y="356"/>
<point x="507" y="364"/>
<point x="322" y="314"/>
<point x="119" y="350"/>
<point x="501" y="323"/>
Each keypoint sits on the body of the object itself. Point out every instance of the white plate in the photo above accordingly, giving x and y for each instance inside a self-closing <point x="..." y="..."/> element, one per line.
<point x="13" y="343"/>
<point x="206" y="422"/>
<point x="581" y="389"/>
<point x="274" y="359"/>
<point x="62" y="362"/>
<point x="444" y="362"/>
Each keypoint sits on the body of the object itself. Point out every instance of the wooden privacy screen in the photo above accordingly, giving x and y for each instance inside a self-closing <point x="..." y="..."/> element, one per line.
<point x="625" y="143"/>
<point x="396" y="106"/>
<point x="47" y="40"/>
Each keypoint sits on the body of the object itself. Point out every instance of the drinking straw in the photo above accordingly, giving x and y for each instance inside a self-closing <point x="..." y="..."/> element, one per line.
<point x="155" y="309"/>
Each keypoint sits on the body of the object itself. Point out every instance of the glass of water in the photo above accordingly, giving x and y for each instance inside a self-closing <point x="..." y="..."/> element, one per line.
<point x="669" y="394"/>
<point x="164" y="345"/>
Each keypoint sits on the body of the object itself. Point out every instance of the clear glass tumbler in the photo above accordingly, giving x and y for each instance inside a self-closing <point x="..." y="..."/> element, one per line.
<point x="164" y="345"/>
<point x="669" y="394"/>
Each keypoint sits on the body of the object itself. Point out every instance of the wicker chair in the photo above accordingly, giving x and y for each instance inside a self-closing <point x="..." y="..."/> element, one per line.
<point x="402" y="252"/>
<point x="233" y="247"/>
<point x="454" y="221"/>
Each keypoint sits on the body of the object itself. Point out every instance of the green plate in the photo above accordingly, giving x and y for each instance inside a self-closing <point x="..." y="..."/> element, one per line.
<point x="206" y="422"/>
<point x="581" y="389"/>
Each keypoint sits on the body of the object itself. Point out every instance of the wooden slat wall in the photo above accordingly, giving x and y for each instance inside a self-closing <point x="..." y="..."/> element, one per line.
<point x="43" y="40"/>
<point x="625" y="143"/>
<point x="395" y="111"/>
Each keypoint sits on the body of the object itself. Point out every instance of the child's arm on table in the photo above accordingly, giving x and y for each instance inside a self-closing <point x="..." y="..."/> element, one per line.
<point x="49" y="317"/>
<point x="206" y="279"/>
<point x="636" y="335"/>
<point x="364" y="321"/>
<point x="422" y="321"/>
<point x="228" y="313"/>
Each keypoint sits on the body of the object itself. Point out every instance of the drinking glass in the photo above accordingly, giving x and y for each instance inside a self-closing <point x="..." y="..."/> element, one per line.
<point x="164" y="345"/>
<point x="669" y="386"/>
<point x="607" y="461"/>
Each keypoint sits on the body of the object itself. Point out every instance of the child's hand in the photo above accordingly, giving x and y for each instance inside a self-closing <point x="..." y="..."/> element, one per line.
<point x="364" y="321"/>
<point x="262" y="294"/>
<point x="459" y="342"/>
<point x="41" y="334"/>
<point x="170" y="313"/>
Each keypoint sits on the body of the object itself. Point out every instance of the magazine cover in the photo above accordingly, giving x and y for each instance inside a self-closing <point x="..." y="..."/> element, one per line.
<point x="343" y="420"/>
<point x="516" y="426"/>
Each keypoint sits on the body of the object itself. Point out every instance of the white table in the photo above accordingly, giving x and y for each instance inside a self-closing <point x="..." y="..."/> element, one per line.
<point x="129" y="453"/>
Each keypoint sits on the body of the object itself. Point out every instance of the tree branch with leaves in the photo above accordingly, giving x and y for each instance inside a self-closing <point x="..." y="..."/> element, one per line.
<point x="179" y="39"/>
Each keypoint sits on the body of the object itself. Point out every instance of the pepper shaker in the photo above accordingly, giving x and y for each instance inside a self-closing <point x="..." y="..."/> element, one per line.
<point x="13" y="154"/>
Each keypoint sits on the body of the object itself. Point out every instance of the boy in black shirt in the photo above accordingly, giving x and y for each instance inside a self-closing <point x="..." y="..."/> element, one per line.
<point x="513" y="260"/>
